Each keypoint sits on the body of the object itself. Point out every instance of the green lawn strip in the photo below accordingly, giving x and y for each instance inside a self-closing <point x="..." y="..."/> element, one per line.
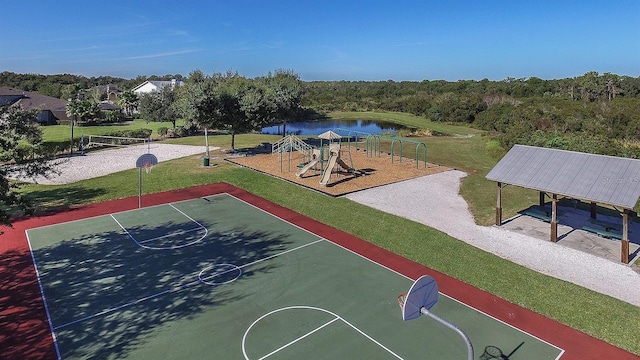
<point x="63" y="132"/>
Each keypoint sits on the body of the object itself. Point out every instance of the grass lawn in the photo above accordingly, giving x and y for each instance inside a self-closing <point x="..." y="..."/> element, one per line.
<point x="598" y="315"/>
<point x="63" y="132"/>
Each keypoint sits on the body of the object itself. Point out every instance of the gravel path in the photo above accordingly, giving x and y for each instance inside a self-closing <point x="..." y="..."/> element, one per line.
<point x="434" y="201"/>
<point x="100" y="163"/>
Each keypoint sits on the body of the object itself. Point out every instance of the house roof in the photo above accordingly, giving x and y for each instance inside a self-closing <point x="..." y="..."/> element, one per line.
<point x="30" y="100"/>
<point x="598" y="178"/>
<point x="106" y="105"/>
<point x="7" y="91"/>
<point x="159" y="84"/>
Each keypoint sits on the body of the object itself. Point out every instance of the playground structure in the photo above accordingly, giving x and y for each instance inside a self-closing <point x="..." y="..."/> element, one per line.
<point x="333" y="157"/>
<point x="376" y="156"/>
<point x="326" y="160"/>
<point x="374" y="148"/>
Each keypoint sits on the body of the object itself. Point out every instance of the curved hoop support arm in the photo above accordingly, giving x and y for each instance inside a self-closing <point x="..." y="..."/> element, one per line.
<point x="444" y="322"/>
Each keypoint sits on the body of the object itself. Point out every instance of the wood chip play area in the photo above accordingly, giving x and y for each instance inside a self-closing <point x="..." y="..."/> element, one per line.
<point x="367" y="168"/>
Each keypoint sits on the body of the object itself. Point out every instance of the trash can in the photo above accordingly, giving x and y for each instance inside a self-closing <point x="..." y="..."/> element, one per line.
<point x="205" y="161"/>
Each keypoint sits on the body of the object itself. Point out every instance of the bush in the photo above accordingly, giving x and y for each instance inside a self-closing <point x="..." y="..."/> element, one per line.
<point x="163" y="131"/>
<point x="494" y="149"/>
<point x="182" y="131"/>
<point x="137" y="133"/>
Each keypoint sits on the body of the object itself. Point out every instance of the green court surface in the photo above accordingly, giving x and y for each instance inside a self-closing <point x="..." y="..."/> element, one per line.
<point x="217" y="278"/>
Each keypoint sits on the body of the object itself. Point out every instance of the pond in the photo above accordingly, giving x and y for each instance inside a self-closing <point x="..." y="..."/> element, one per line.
<point x="320" y="126"/>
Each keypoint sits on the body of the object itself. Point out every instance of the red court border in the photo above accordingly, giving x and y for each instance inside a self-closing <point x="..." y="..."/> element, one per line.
<point x="24" y="328"/>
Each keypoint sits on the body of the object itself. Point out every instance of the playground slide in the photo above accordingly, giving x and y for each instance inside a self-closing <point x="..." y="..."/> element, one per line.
<point x="345" y="166"/>
<point x="306" y="168"/>
<point x="327" y="171"/>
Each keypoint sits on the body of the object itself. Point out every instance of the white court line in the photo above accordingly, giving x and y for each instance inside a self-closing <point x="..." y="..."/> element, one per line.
<point x="336" y="317"/>
<point x="137" y="301"/>
<point x="171" y="290"/>
<point x="294" y="225"/>
<point x="127" y="211"/>
<point x="298" y="339"/>
<point x="562" y="351"/>
<point x="44" y="299"/>
<point x="141" y="243"/>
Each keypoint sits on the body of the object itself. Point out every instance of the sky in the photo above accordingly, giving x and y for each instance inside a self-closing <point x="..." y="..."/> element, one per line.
<point x="323" y="40"/>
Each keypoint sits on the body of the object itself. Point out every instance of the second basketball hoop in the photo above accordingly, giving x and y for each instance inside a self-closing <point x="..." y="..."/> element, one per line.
<point x="146" y="162"/>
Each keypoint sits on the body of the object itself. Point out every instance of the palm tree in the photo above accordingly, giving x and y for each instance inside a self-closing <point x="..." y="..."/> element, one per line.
<point x="129" y="102"/>
<point x="73" y="110"/>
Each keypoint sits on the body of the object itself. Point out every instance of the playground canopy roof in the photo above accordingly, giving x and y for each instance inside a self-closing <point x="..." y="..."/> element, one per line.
<point x="596" y="178"/>
<point x="329" y="135"/>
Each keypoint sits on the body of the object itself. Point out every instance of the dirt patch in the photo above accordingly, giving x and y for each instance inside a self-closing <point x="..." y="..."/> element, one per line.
<point x="370" y="171"/>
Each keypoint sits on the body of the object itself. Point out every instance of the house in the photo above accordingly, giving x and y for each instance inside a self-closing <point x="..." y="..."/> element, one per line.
<point x="155" y="85"/>
<point x="108" y="92"/>
<point x="50" y="109"/>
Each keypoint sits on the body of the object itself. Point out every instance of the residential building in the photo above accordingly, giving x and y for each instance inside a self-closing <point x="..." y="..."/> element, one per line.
<point x="155" y="85"/>
<point x="50" y="109"/>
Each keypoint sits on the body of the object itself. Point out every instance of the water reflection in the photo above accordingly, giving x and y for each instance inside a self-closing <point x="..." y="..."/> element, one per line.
<point x="318" y="127"/>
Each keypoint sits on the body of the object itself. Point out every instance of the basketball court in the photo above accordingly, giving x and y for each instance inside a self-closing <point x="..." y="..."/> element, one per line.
<point x="215" y="272"/>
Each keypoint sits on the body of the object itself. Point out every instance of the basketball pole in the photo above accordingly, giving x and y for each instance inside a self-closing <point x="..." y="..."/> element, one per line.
<point x="139" y="188"/>
<point x="206" y="140"/>
<point x="444" y="322"/>
<point x="145" y="161"/>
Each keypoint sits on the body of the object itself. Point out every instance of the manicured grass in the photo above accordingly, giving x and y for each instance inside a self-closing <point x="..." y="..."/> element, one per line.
<point x="598" y="315"/>
<point x="63" y="132"/>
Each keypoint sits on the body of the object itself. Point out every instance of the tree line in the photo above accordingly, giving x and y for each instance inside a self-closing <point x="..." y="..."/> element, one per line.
<point x="226" y="101"/>
<point x="597" y="113"/>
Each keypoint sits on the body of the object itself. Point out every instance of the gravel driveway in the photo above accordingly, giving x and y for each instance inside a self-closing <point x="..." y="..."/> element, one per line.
<point x="433" y="200"/>
<point x="100" y="163"/>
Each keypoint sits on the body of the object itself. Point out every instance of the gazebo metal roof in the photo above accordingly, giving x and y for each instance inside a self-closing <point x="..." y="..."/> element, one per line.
<point x="596" y="178"/>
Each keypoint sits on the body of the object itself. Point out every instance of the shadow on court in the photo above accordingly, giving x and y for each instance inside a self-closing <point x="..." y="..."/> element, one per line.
<point x="106" y="294"/>
<point x="22" y="335"/>
<point x="69" y="196"/>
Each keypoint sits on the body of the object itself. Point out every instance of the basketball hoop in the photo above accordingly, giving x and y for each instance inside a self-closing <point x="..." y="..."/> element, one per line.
<point x="401" y="300"/>
<point x="422" y="296"/>
<point x="146" y="162"/>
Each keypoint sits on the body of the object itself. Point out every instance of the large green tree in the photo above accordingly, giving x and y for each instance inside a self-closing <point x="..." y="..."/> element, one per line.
<point x="235" y="104"/>
<point x="283" y="91"/>
<point x="159" y="106"/>
<point x="21" y="155"/>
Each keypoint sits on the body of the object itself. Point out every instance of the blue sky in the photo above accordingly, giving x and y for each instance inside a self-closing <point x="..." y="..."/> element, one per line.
<point x="323" y="40"/>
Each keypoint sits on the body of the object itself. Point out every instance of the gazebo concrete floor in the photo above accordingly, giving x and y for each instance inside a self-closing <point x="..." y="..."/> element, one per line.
<point x="571" y="234"/>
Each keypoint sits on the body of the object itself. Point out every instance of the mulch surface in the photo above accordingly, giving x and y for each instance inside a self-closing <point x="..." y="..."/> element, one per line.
<point x="371" y="171"/>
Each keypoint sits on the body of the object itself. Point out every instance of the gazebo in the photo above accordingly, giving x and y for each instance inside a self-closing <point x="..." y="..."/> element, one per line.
<point x="608" y="180"/>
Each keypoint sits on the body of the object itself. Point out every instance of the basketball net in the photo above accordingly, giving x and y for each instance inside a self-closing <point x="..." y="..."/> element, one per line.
<point x="401" y="300"/>
<point x="147" y="167"/>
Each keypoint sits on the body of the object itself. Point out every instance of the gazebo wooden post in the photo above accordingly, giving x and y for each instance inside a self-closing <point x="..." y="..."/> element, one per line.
<point x="625" y="237"/>
<point x="594" y="209"/>
<point x="499" y="205"/>
<point x="554" y="220"/>
<point x="541" y="201"/>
